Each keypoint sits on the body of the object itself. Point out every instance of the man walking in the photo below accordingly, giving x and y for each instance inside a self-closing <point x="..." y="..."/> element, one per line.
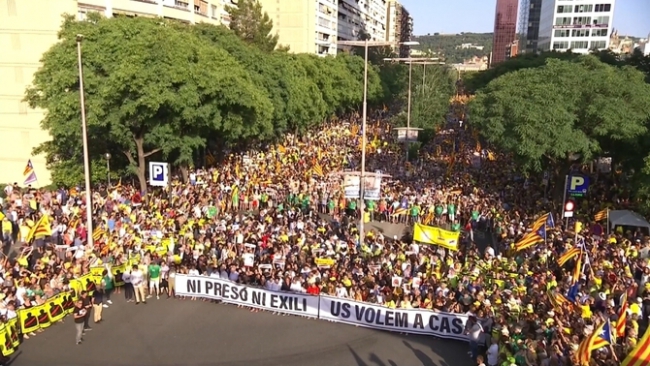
<point x="87" y="304"/>
<point x="139" y="285"/>
<point x="79" y="318"/>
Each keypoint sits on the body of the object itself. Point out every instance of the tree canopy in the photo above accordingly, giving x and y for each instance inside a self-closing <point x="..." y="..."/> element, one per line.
<point x="253" y="25"/>
<point x="546" y="116"/>
<point x="157" y="89"/>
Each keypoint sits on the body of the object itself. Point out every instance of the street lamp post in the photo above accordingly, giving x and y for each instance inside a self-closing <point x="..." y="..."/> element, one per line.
<point x="366" y="44"/>
<point x="108" y="168"/>
<point x="84" y="138"/>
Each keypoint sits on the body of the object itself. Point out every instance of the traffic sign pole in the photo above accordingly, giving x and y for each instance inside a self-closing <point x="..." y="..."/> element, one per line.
<point x="566" y="219"/>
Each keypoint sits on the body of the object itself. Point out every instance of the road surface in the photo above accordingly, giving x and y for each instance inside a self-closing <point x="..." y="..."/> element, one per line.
<point x="197" y="333"/>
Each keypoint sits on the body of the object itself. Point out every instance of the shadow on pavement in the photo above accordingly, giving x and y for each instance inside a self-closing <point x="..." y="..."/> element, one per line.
<point x="422" y="356"/>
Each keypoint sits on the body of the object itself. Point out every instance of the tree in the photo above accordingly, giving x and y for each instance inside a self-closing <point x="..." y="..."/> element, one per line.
<point x="150" y="89"/>
<point x="432" y="88"/>
<point x="474" y="82"/>
<point x="548" y="115"/>
<point x="252" y="24"/>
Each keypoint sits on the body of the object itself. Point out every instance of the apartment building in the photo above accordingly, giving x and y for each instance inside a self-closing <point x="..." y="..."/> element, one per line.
<point x="25" y="34"/>
<point x="576" y="25"/>
<point x="356" y="17"/>
<point x="393" y="21"/>
<point x="306" y="26"/>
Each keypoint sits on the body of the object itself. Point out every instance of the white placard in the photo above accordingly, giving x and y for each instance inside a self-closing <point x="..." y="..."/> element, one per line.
<point x="230" y="292"/>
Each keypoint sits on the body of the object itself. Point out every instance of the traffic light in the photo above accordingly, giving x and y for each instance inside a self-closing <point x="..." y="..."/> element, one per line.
<point x="569" y="206"/>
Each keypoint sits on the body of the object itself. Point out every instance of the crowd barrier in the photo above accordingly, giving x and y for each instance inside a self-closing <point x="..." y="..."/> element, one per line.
<point x="411" y="321"/>
<point x="52" y="311"/>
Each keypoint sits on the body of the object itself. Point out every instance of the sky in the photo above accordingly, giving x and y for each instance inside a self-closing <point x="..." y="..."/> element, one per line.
<point x="455" y="16"/>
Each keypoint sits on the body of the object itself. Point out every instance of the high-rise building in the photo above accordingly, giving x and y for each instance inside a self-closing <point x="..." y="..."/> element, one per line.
<point x="306" y="26"/>
<point x="505" y="30"/>
<point x="529" y="15"/>
<point x="27" y="33"/>
<point x="399" y="26"/>
<point x="362" y="17"/>
<point x="579" y="26"/>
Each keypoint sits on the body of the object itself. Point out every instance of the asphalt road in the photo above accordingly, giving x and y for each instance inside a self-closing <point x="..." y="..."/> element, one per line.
<point x="196" y="333"/>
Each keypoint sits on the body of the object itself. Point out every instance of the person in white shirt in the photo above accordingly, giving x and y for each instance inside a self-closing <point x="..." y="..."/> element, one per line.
<point x="493" y="353"/>
<point x="128" y="286"/>
<point x="139" y="285"/>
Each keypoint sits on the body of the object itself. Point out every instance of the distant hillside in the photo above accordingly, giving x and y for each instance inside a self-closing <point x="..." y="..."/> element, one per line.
<point x="450" y="46"/>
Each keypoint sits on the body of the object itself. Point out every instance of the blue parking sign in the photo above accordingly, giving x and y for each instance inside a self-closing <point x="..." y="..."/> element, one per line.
<point x="158" y="174"/>
<point x="577" y="185"/>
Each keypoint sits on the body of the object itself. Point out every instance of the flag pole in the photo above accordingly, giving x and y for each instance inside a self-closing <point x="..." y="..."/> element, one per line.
<point x="607" y="221"/>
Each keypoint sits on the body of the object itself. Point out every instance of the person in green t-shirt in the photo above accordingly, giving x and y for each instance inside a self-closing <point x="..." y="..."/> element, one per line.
<point x="352" y="208"/>
<point x="438" y="213"/>
<point x="455" y="226"/>
<point x="415" y="213"/>
<point x="107" y="284"/>
<point x="451" y="212"/>
<point x="154" y="279"/>
<point x="370" y="206"/>
<point x="330" y="206"/>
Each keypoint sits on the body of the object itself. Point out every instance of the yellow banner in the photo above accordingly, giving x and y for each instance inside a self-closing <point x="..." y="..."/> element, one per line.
<point x="12" y="331"/>
<point x="43" y="316"/>
<point x="5" y="341"/>
<point x="325" y="262"/>
<point x="117" y="272"/>
<point x="54" y="307"/>
<point x="436" y="236"/>
<point x="28" y="320"/>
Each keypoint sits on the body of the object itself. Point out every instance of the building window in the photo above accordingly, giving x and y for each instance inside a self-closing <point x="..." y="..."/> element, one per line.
<point x="603" y="8"/>
<point x="564" y="9"/>
<point x="602" y="20"/>
<point x="562" y="33"/>
<point x="583" y="8"/>
<point x="563" y="21"/>
<point x="598" y="45"/>
<point x="580" y="33"/>
<point x="579" y="45"/>
<point x="600" y="32"/>
<point x="562" y="45"/>
<point x="581" y="20"/>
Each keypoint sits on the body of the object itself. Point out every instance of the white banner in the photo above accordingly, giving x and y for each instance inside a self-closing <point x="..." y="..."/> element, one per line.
<point x="371" y="188"/>
<point x="416" y="321"/>
<point x="232" y="293"/>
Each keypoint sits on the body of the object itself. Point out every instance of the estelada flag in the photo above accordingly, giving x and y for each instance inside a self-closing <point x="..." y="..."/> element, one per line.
<point x="29" y="168"/>
<point x="640" y="355"/>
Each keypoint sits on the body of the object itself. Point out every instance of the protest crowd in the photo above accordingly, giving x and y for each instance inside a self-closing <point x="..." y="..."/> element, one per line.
<point x="276" y="218"/>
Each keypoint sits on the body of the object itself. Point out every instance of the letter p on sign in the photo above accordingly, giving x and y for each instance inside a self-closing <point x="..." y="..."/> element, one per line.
<point x="576" y="182"/>
<point x="158" y="174"/>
